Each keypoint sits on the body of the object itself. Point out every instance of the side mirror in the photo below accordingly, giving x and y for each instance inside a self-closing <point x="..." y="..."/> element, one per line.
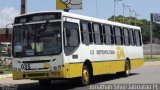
<point x="7" y="29"/>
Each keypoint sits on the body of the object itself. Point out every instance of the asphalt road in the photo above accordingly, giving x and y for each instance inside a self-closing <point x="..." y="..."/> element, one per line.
<point x="144" y="75"/>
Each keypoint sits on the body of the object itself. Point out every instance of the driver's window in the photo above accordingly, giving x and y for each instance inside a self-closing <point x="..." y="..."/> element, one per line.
<point x="71" y="37"/>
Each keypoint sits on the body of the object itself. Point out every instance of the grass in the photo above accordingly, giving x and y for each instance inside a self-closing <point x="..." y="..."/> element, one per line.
<point x="4" y="70"/>
<point x="147" y="58"/>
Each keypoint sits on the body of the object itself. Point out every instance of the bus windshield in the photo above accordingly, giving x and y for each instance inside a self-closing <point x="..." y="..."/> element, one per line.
<point x="37" y="39"/>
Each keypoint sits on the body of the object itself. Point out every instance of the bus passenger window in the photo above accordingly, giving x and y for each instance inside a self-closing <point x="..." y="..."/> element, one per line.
<point x="97" y="38"/>
<point x="131" y="37"/>
<point x="118" y="36"/>
<point x="108" y="35"/>
<point x="86" y="33"/>
<point x="126" y="37"/>
<point x="71" y="37"/>
<point x="138" y="38"/>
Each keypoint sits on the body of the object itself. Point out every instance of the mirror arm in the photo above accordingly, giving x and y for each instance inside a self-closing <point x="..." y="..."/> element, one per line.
<point x="7" y="30"/>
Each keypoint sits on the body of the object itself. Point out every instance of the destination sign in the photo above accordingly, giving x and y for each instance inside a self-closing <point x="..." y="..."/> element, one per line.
<point x="37" y="17"/>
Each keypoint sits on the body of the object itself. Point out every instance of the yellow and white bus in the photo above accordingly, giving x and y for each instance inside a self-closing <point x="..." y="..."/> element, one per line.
<point x="61" y="45"/>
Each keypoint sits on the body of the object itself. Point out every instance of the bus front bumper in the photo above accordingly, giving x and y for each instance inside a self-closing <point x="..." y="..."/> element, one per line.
<point x="38" y="75"/>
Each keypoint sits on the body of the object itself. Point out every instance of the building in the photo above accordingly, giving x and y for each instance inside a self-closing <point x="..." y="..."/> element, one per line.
<point x="156" y="40"/>
<point x="3" y="37"/>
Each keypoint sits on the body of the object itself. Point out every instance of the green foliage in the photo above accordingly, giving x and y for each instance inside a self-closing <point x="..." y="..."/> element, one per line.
<point x="127" y="20"/>
<point x="143" y="23"/>
<point x="156" y="30"/>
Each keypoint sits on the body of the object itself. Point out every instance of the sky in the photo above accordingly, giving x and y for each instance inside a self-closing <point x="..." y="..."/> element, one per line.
<point x="11" y="8"/>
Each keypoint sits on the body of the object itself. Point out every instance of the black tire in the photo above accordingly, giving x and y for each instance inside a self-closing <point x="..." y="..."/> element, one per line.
<point x="86" y="76"/>
<point x="45" y="83"/>
<point x="126" y="71"/>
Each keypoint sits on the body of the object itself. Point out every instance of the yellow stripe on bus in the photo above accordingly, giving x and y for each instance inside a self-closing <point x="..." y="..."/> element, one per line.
<point x="75" y="70"/>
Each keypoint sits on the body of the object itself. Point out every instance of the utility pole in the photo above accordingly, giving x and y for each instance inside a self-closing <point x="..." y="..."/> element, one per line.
<point x="124" y="6"/>
<point x="154" y="18"/>
<point x="130" y="16"/>
<point x="23" y="6"/>
<point x="151" y="34"/>
<point x="97" y="8"/>
<point x="136" y="15"/>
<point x="115" y="2"/>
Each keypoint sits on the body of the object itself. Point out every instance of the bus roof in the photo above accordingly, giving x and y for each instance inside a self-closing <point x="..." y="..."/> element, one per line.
<point x="98" y="20"/>
<point x="88" y="18"/>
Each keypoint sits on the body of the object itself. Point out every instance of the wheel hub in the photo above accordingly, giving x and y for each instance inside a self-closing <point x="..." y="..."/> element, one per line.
<point x="85" y="75"/>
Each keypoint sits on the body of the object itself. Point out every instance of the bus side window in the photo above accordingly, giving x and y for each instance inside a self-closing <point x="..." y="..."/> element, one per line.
<point x="71" y="37"/>
<point x="138" y="38"/>
<point x="122" y="36"/>
<point x="86" y="32"/>
<point x="131" y="37"/>
<point x="101" y="34"/>
<point x="108" y="35"/>
<point x="118" y="36"/>
<point x="126" y="37"/>
<point x="97" y="34"/>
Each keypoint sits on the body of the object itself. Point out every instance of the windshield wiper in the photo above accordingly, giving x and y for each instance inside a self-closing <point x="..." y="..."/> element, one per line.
<point x="24" y="31"/>
<point x="26" y="34"/>
<point x="42" y="29"/>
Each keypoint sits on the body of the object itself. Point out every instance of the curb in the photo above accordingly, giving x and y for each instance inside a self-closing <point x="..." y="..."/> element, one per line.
<point x="6" y="76"/>
<point x="155" y="63"/>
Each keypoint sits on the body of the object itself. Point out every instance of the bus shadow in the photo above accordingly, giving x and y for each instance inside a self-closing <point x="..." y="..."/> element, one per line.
<point x="109" y="77"/>
<point x="70" y="84"/>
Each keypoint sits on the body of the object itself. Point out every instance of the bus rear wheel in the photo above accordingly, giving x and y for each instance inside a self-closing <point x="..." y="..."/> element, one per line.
<point x="86" y="76"/>
<point x="126" y="71"/>
<point x="45" y="83"/>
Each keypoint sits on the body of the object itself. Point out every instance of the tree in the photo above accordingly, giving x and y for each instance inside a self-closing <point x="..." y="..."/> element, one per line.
<point x="156" y="30"/>
<point x="143" y="23"/>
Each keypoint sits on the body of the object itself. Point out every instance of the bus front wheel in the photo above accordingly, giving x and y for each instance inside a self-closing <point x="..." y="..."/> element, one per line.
<point x="86" y="75"/>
